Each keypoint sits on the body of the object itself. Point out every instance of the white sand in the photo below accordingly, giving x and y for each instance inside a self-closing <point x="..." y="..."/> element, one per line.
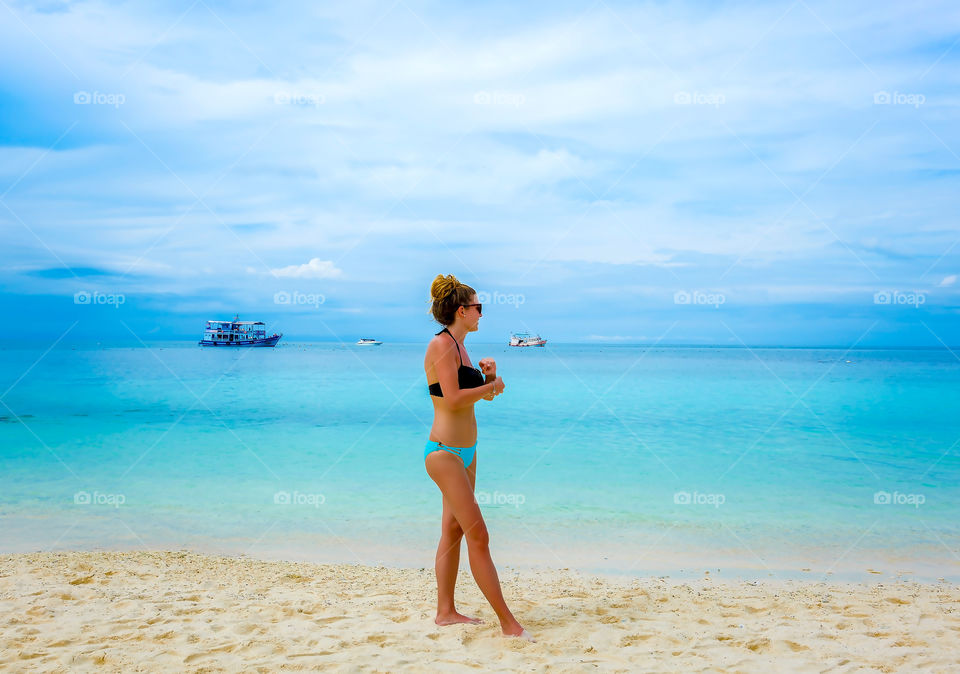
<point x="181" y="611"/>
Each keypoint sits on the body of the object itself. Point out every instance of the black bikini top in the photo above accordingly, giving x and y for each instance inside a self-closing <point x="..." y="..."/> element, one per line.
<point x="467" y="377"/>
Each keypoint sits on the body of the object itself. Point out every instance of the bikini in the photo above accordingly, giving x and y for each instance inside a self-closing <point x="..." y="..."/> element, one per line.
<point x="467" y="377"/>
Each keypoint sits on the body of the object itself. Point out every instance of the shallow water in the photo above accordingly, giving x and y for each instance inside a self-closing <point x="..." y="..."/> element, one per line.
<point x="613" y="459"/>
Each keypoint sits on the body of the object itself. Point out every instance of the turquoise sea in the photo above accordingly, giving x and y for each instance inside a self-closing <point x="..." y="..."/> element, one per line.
<point x="638" y="460"/>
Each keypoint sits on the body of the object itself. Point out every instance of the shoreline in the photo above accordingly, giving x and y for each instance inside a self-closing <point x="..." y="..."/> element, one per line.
<point x="623" y="563"/>
<point x="191" y="611"/>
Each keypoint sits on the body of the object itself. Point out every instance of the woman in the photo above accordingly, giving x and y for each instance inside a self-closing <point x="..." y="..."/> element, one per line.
<point x="450" y="455"/>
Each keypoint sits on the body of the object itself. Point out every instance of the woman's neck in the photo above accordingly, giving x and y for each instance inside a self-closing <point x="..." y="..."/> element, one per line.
<point x="458" y="333"/>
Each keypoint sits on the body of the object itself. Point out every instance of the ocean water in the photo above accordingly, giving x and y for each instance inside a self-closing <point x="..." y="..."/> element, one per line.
<point x="630" y="460"/>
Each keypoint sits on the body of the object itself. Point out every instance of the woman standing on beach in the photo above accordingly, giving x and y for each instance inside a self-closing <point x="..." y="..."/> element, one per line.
<point x="450" y="455"/>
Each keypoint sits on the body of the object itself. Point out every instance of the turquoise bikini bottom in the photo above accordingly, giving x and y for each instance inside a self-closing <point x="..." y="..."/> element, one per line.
<point x="466" y="454"/>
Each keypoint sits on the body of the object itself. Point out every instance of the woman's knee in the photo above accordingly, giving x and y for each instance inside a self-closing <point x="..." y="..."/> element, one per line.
<point x="452" y="530"/>
<point x="477" y="535"/>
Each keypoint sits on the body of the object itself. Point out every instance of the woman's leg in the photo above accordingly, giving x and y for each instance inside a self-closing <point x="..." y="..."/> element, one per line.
<point x="448" y="559"/>
<point x="447" y="471"/>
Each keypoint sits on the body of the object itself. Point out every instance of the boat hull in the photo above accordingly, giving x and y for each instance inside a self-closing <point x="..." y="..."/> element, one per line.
<point x="267" y="341"/>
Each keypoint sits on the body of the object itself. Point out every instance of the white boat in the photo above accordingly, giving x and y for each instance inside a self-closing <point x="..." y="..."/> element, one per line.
<point x="366" y="341"/>
<point x="238" y="333"/>
<point x="525" y="339"/>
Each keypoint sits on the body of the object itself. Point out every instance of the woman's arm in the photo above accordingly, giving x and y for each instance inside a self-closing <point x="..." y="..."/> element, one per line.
<point x="445" y="365"/>
<point x="471" y="395"/>
<point x="489" y="368"/>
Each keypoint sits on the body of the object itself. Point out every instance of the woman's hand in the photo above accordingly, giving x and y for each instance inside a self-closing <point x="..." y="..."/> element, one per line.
<point x="488" y="366"/>
<point x="498" y="387"/>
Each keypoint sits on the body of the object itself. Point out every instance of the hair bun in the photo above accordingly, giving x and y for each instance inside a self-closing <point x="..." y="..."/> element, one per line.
<point x="443" y="286"/>
<point x="447" y="295"/>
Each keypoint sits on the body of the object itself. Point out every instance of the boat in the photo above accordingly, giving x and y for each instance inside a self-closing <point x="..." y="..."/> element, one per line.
<point x="366" y="341"/>
<point x="525" y="339"/>
<point x="238" y="333"/>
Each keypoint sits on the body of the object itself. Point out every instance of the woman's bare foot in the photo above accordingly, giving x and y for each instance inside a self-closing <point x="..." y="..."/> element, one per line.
<point x="454" y="618"/>
<point x="516" y="630"/>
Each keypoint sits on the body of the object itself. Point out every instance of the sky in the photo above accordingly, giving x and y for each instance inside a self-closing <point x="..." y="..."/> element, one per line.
<point x="769" y="173"/>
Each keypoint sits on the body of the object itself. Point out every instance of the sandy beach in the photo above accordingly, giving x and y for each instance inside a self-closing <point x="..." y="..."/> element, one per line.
<point x="182" y="611"/>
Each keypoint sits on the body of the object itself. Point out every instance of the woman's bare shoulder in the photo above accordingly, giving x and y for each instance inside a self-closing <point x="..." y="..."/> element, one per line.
<point x="438" y="346"/>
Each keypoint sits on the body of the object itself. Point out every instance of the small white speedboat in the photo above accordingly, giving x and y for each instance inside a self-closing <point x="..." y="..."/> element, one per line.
<point x="366" y="341"/>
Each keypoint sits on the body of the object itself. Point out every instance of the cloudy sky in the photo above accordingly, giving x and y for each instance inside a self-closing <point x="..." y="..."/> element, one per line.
<point x="683" y="172"/>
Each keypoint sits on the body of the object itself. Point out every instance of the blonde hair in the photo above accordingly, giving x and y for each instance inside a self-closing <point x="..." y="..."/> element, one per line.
<point x="447" y="295"/>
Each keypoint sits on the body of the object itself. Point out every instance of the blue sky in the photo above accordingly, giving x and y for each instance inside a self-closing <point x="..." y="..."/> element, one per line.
<point x="683" y="172"/>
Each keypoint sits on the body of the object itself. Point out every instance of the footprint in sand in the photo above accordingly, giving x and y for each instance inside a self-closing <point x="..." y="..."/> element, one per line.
<point x="632" y="639"/>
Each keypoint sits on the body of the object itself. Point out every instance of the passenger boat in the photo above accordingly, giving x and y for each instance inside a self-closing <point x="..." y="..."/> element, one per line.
<point x="238" y="333"/>
<point x="524" y="339"/>
<point x="366" y="341"/>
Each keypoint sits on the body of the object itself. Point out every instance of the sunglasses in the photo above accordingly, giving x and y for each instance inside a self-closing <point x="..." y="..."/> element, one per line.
<point x="478" y="306"/>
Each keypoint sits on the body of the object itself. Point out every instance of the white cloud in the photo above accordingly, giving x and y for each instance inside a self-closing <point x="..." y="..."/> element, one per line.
<point x="314" y="269"/>
<point x="948" y="280"/>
